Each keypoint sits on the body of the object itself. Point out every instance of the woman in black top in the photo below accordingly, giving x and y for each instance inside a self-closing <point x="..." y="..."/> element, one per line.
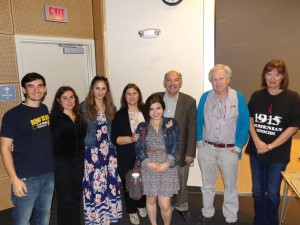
<point x="274" y="119"/>
<point x="123" y="136"/>
<point x="68" y="130"/>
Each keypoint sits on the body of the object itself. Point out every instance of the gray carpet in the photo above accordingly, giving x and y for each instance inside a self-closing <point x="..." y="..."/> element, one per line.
<point x="245" y="213"/>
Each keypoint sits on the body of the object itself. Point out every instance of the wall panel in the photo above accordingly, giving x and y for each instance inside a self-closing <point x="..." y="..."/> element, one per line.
<point x="250" y="33"/>
<point x="98" y="17"/>
<point x="6" y="25"/>
<point x="5" y="193"/>
<point x="8" y="60"/>
<point x="100" y="56"/>
<point x="29" y="18"/>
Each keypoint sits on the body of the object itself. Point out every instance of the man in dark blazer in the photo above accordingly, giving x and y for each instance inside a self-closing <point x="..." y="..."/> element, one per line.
<point x="182" y="107"/>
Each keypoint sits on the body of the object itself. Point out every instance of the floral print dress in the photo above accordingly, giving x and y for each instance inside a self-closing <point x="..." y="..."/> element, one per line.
<point x="101" y="193"/>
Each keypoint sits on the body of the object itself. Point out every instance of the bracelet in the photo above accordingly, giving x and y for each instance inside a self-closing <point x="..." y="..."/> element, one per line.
<point x="269" y="147"/>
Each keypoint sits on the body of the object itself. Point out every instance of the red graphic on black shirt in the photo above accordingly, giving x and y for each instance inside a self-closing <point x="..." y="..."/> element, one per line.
<point x="270" y="110"/>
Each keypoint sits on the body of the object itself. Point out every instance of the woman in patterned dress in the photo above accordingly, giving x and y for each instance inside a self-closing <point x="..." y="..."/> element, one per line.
<point x="123" y="135"/>
<point x="101" y="193"/>
<point x="159" y="159"/>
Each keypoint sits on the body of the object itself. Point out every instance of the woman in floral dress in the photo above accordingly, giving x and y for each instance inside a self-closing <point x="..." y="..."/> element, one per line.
<point x="159" y="159"/>
<point x="101" y="193"/>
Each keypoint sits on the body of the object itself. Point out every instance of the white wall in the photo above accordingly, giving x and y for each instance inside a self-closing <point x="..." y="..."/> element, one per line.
<point x="132" y="59"/>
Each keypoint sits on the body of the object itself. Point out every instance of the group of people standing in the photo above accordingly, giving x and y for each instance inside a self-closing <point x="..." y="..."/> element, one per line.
<point x="86" y="147"/>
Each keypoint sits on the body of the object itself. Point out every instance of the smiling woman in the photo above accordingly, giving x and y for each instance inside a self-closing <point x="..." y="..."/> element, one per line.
<point x="159" y="159"/>
<point x="68" y="130"/>
<point x="101" y="192"/>
<point x="275" y="118"/>
<point x="124" y="136"/>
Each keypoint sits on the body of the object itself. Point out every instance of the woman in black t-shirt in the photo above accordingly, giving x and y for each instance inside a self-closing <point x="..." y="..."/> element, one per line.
<point x="274" y="119"/>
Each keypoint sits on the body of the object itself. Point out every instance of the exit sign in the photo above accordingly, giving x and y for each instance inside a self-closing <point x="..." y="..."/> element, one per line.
<point x="56" y="13"/>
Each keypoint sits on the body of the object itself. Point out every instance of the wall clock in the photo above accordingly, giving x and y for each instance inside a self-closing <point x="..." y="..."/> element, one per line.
<point x="172" y="2"/>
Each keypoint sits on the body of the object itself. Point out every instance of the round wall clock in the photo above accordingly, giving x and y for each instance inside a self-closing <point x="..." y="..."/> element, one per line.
<point x="172" y="2"/>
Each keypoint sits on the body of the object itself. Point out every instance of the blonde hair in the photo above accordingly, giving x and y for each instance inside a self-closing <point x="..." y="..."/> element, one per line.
<point x="227" y="70"/>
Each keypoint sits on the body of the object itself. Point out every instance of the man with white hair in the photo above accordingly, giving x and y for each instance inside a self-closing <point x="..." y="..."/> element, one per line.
<point x="222" y="131"/>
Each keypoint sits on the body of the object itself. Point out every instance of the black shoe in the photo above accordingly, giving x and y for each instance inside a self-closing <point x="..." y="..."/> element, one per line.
<point x="202" y="220"/>
<point x="185" y="215"/>
<point x="232" y="223"/>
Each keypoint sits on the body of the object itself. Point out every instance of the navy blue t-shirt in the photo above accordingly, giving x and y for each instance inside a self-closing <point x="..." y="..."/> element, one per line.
<point x="29" y="128"/>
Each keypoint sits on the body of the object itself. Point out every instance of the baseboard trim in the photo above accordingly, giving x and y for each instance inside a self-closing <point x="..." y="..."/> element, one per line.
<point x="196" y="189"/>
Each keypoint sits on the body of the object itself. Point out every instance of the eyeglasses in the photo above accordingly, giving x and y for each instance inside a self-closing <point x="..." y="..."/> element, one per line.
<point x="218" y="111"/>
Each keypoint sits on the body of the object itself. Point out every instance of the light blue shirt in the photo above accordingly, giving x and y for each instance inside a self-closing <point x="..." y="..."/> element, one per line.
<point x="171" y="104"/>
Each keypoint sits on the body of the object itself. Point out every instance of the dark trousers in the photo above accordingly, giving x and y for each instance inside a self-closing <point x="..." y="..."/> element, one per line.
<point x="68" y="185"/>
<point x="266" y="180"/>
<point x="132" y="205"/>
<point x="182" y="196"/>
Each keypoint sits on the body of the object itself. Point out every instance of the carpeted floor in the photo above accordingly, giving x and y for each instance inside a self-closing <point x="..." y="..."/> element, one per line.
<point x="245" y="213"/>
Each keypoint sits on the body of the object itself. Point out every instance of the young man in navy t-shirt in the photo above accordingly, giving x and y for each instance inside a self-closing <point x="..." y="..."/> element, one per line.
<point x="25" y="144"/>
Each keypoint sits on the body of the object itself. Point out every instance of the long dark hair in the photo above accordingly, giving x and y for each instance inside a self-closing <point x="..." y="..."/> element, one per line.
<point x="56" y="106"/>
<point x="124" y="104"/>
<point x="108" y="100"/>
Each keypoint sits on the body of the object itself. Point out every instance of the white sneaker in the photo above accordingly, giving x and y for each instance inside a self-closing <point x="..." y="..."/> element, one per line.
<point x="134" y="219"/>
<point x="143" y="212"/>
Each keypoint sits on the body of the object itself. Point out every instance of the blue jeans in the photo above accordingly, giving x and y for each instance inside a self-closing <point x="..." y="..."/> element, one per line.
<point x="38" y="200"/>
<point x="266" y="181"/>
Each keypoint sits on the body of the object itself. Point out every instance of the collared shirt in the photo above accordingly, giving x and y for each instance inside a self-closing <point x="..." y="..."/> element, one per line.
<point x="220" y="118"/>
<point x="170" y="105"/>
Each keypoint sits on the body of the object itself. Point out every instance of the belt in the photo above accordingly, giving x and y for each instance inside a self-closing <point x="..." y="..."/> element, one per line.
<point x="160" y="151"/>
<point x="220" y="145"/>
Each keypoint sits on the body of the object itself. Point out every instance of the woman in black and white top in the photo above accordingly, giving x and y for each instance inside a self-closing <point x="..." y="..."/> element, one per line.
<point x="274" y="119"/>
<point x="123" y="135"/>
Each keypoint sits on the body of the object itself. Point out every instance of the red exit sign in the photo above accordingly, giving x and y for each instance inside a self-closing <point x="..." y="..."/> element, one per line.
<point x="56" y="13"/>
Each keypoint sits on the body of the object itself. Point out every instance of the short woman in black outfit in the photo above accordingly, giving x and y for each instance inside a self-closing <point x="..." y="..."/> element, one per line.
<point x="131" y="113"/>
<point x="68" y="132"/>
